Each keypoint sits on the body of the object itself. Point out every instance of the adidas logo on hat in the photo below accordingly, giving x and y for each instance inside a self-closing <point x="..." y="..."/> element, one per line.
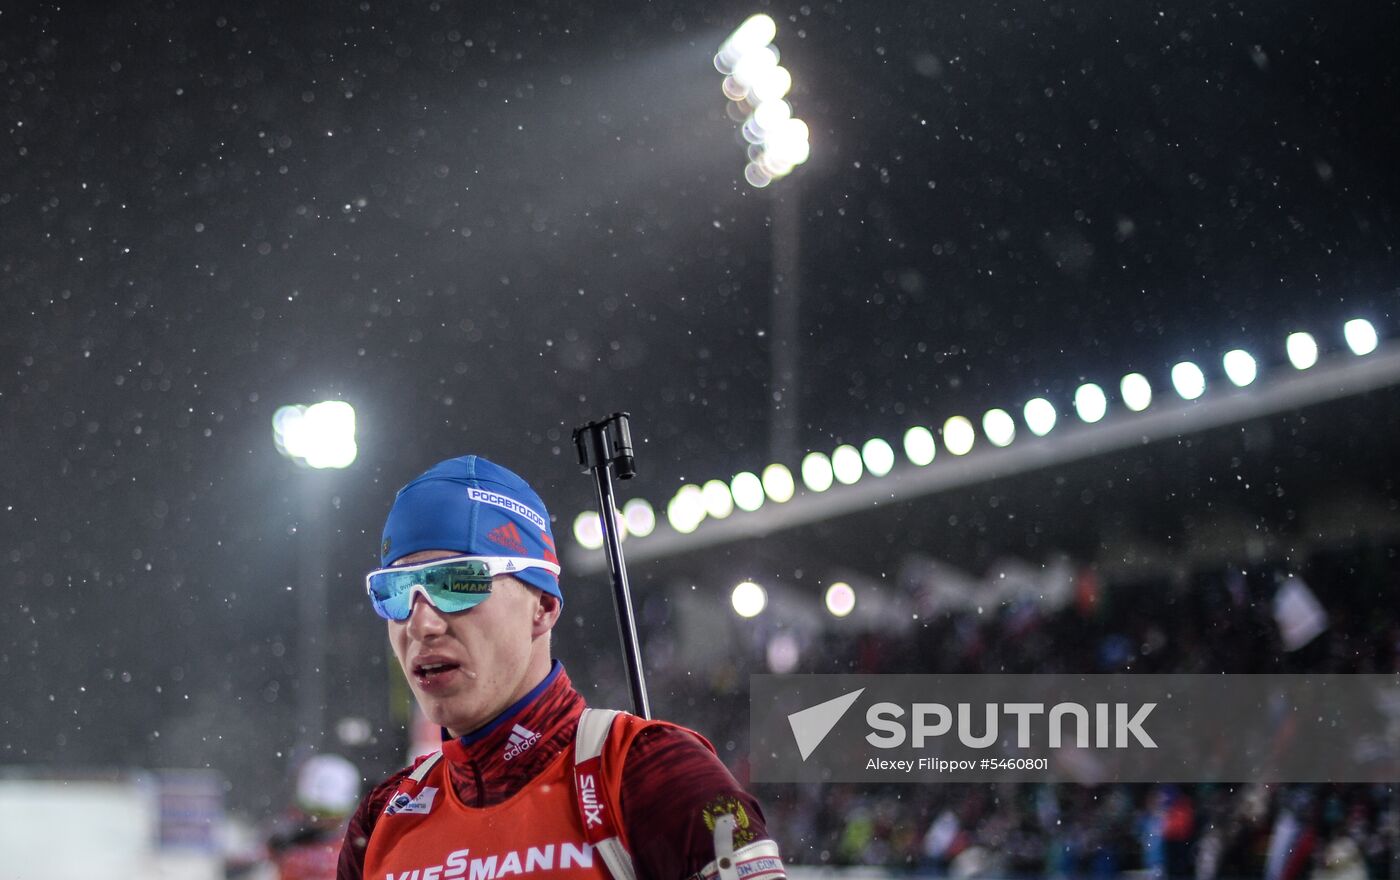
<point x="521" y="738"/>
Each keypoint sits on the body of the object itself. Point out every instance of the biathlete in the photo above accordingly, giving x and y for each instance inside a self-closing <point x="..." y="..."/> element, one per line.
<point x="528" y="779"/>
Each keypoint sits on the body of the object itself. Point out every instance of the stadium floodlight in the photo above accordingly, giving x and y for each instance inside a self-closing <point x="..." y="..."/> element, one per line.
<point x="639" y="517"/>
<point x="1136" y="392"/>
<point x="958" y="435"/>
<point x="1090" y="402"/>
<point x="588" y="530"/>
<point x="1361" y="336"/>
<point x="999" y="427"/>
<point x="686" y="509"/>
<point x="748" y="599"/>
<point x="748" y="491"/>
<point x="816" y="471"/>
<point x="1240" y="367"/>
<point x="1040" y="416"/>
<point x="1302" y="350"/>
<point x="878" y="457"/>
<point x="718" y="502"/>
<point x="758" y="85"/>
<point x="840" y="599"/>
<point x="319" y="436"/>
<point x="919" y="446"/>
<point x="1188" y="380"/>
<point x="777" y="483"/>
<point x="845" y="464"/>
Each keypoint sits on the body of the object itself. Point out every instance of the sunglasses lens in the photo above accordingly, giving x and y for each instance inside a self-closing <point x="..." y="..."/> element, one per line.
<point x="451" y="587"/>
<point x="393" y="608"/>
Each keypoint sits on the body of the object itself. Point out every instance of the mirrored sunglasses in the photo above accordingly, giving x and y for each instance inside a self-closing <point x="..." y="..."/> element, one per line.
<point x="457" y="583"/>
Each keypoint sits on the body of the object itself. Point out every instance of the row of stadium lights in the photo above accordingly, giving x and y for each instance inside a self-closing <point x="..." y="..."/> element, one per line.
<point x="748" y="491"/>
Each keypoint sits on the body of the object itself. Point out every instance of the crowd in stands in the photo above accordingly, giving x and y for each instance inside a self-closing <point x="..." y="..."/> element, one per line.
<point x="1226" y="620"/>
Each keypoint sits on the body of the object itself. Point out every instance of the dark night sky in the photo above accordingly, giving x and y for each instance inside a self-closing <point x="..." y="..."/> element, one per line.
<point x="485" y="227"/>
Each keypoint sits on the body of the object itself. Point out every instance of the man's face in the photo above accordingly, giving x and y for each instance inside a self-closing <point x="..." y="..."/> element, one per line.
<point x="466" y="668"/>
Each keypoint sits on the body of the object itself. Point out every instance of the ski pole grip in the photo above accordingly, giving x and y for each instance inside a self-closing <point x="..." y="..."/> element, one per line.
<point x="607" y="442"/>
<point x="620" y="445"/>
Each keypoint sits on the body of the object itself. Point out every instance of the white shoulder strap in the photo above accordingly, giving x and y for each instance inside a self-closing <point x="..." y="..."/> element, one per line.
<point x="618" y="859"/>
<point x="593" y="728"/>
<point x="421" y="771"/>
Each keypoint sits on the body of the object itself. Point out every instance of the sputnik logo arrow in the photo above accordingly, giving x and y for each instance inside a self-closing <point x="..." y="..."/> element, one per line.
<point x="811" y="725"/>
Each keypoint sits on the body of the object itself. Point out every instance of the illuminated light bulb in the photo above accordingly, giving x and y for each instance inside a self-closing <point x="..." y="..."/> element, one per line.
<point x="878" y="457"/>
<point x="1240" y="367"/>
<point x="919" y="446"/>
<point x="753" y="134"/>
<point x="999" y="427"/>
<point x="748" y="599"/>
<point x="757" y="175"/>
<point x="753" y="66"/>
<point x="845" y="464"/>
<point x="639" y="516"/>
<point x="1090" y="402"/>
<point x="1188" y="380"/>
<point x="783" y="653"/>
<point x="686" y="509"/>
<point x="777" y="483"/>
<point x="286" y="431"/>
<point x="1136" y="392"/>
<point x="748" y="491"/>
<point x="1302" y="350"/>
<point x="1040" y="416"/>
<point x="770" y="115"/>
<point x="816" y="471"/>
<point x="756" y="32"/>
<point x="840" y="599"/>
<point x="588" y="530"/>
<point x="1361" y="336"/>
<point x="718" y="502"/>
<point x="771" y="84"/>
<point x="787" y="145"/>
<point x="958" y="435"/>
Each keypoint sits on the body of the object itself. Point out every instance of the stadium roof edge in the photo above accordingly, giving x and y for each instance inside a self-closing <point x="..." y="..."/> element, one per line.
<point x="1335" y="379"/>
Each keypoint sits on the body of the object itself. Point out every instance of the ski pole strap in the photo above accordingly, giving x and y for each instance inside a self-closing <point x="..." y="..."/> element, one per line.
<point x="599" y="825"/>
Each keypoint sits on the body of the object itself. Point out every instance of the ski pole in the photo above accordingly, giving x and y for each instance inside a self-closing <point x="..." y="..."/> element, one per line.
<point x="604" y="446"/>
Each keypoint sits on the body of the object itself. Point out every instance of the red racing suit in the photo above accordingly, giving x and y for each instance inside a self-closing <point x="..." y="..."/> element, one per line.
<point x="502" y="801"/>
